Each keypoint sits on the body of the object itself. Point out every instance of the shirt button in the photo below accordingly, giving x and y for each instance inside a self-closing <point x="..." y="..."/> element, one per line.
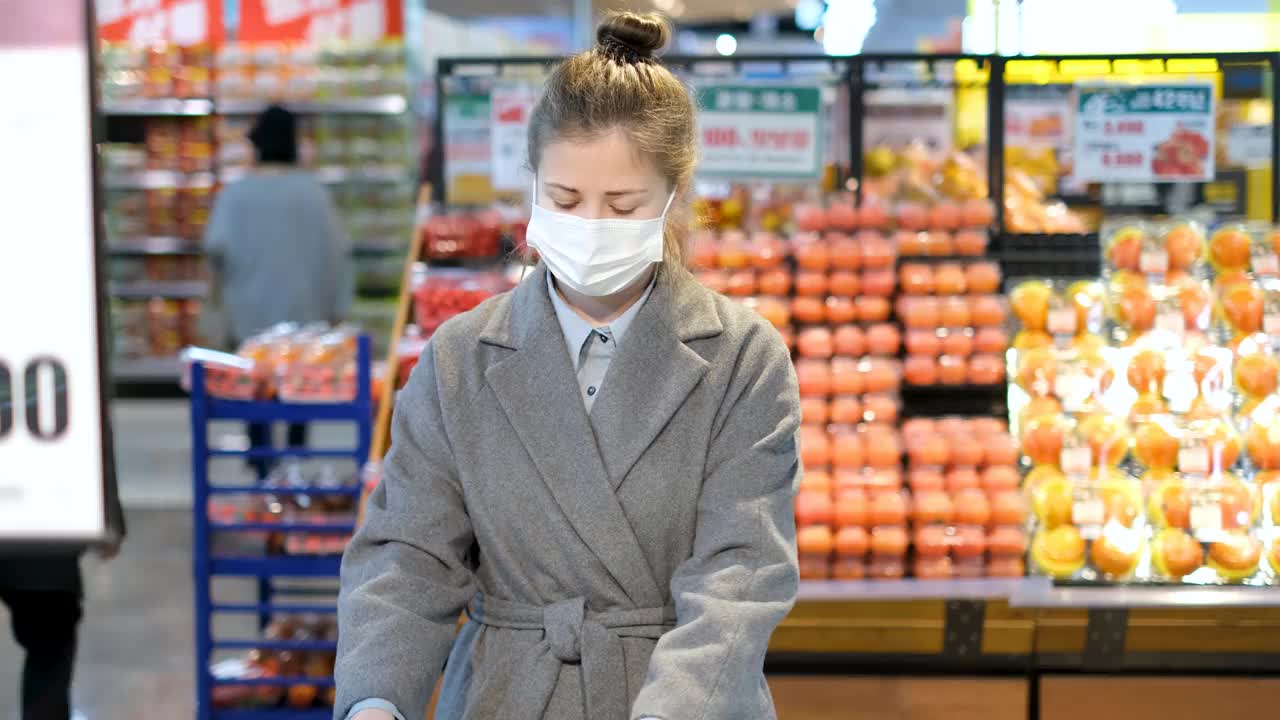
<point x="591" y="390"/>
<point x="604" y="338"/>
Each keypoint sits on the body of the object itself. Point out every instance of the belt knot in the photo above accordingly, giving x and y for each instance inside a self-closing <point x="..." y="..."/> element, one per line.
<point x="563" y="623"/>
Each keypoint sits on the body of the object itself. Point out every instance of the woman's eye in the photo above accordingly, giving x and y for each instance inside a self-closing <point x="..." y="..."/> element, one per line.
<point x="565" y="206"/>
<point x="623" y="211"/>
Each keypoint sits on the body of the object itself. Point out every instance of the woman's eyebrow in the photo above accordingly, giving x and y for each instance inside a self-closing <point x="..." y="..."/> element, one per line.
<point x="565" y="188"/>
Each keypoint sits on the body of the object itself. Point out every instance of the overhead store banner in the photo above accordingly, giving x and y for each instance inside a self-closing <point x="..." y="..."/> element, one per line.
<point x="312" y="21"/>
<point x="52" y="479"/>
<point x="147" y="22"/>
<point x="510" y="107"/>
<point x="760" y="131"/>
<point x="895" y="117"/>
<point x="1146" y="133"/>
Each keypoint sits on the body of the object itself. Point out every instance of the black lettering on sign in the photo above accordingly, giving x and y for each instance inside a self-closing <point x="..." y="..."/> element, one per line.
<point x="31" y="381"/>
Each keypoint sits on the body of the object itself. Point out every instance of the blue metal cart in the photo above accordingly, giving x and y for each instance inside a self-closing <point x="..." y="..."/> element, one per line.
<point x="268" y="568"/>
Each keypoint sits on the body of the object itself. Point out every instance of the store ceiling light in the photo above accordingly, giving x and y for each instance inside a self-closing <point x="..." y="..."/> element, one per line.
<point x="809" y="14"/>
<point x="846" y="24"/>
<point x="726" y="44"/>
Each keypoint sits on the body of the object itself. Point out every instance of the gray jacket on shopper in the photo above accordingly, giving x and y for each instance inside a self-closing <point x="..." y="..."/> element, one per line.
<point x="628" y="563"/>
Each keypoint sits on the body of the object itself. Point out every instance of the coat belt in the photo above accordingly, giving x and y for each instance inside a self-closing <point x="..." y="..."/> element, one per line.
<point x="571" y="634"/>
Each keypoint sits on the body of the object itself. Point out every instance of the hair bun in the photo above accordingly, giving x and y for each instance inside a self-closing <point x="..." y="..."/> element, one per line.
<point x="632" y="36"/>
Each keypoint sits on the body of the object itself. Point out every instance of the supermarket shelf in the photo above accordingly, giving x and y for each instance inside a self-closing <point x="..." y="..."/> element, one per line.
<point x="271" y="713"/>
<point x="284" y="527"/>
<point x="284" y="566"/>
<point x="151" y="369"/>
<point x="269" y="411"/>
<point x="252" y="489"/>
<point x="911" y="589"/>
<point x="194" y="289"/>
<point x="333" y="174"/>
<point x="267" y="607"/>
<point x="375" y="105"/>
<point x="261" y="644"/>
<point x="1129" y="596"/>
<point x="156" y="245"/>
<point x="157" y="180"/>
<point x="175" y="107"/>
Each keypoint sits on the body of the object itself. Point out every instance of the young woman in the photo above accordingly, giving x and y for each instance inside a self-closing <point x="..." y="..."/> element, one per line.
<point x="598" y="467"/>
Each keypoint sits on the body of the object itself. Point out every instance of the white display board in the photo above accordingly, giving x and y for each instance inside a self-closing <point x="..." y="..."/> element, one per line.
<point x="1145" y="133"/>
<point x="760" y="131"/>
<point x="51" y="435"/>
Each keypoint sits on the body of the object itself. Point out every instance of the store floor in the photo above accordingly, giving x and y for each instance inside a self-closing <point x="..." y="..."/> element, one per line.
<point x="136" y="647"/>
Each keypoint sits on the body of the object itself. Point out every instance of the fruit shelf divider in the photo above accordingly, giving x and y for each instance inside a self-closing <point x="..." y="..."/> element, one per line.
<point x="206" y="565"/>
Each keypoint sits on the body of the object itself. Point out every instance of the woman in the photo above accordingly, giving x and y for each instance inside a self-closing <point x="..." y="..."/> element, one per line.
<point x="599" y="467"/>
<point x="277" y="250"/>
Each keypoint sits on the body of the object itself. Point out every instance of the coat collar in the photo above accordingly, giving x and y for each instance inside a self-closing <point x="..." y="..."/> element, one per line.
<point x="583" y="460"/>
<point x="683" y="305"/>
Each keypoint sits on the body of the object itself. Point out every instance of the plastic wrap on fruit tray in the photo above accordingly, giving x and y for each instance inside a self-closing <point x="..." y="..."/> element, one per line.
<point x="445" y="292"/>
<point x="229" y="376"/>
<point x="1160" y="251"/>
<point x="324" y="370"/>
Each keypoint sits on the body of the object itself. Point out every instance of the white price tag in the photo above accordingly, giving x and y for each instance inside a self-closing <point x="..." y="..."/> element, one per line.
<point x="1076" y="460"/>
<point x="1088" y="511"/>
<point x="1206" y="516"/>
<point x="1062" y="321"/>
<point x="1194" y="460"/>
<point x="1171" y="322"/>
<point x="1266" y="264"/>
<point x="1153" y="262"/>
<point x="1271" y="324"/>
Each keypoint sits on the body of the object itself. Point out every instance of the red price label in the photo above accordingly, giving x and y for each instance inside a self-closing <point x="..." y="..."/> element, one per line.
<point x="1122" y="159"/>
<point x="720" y="137"/>
<point x="1123" y="127"/>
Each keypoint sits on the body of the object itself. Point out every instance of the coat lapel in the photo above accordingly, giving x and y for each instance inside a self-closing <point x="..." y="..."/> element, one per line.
<point x="654" y="371"/>
<point x="538" y="391"/>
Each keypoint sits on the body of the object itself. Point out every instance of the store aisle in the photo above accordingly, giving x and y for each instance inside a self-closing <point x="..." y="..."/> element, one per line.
<point x="135" y="642"/>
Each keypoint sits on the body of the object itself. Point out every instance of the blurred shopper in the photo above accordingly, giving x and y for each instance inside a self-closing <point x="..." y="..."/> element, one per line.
<point x="43" y="591"/>
<point x="278" y="251"/>
<point x="599" y="466"/>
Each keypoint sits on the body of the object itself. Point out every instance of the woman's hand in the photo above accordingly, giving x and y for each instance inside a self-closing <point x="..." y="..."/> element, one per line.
<point x="374" y="714"/>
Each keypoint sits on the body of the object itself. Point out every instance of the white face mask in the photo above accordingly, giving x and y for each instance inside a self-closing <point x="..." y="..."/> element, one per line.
<point x="596" y="257"/>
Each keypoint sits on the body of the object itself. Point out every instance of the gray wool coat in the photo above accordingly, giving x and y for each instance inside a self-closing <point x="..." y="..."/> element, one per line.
<point x="626" y="564"/>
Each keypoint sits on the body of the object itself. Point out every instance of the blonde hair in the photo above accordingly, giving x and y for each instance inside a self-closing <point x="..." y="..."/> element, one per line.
<point x="619" y="84"/>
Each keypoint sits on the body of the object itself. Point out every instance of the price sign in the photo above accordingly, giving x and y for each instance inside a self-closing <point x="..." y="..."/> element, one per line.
<point x="1062" y="321"/>
<point x="146" y="22"/>
<point x="1076" y="460"/>
<point x="314" y="21"/>
<point x="1194" y="460"/>
<point x="52" y="435"/>
<point x="1206" y="516"/>
<point x="894" y="118"/>
<point x="1088" y="511"/>
<point x="1144" y="133"/>
<point x="510" y="107"/>
<point x="760" y="131"/>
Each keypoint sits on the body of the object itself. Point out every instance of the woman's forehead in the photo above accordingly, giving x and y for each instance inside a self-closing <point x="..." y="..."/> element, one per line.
<point x="597" y="162"/>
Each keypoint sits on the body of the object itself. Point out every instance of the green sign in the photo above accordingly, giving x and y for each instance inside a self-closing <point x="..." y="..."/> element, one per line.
<point x="760" y="131"/>
<point x="746" y="98"/>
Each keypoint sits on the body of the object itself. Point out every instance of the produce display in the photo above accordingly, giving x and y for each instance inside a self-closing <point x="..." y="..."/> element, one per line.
<point x="314" y="363"/>
<point x="884" y="497"/>
<point x="263" y="664"/>
<point x="314" y="495"/>
<point x="1146" y="408"/>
